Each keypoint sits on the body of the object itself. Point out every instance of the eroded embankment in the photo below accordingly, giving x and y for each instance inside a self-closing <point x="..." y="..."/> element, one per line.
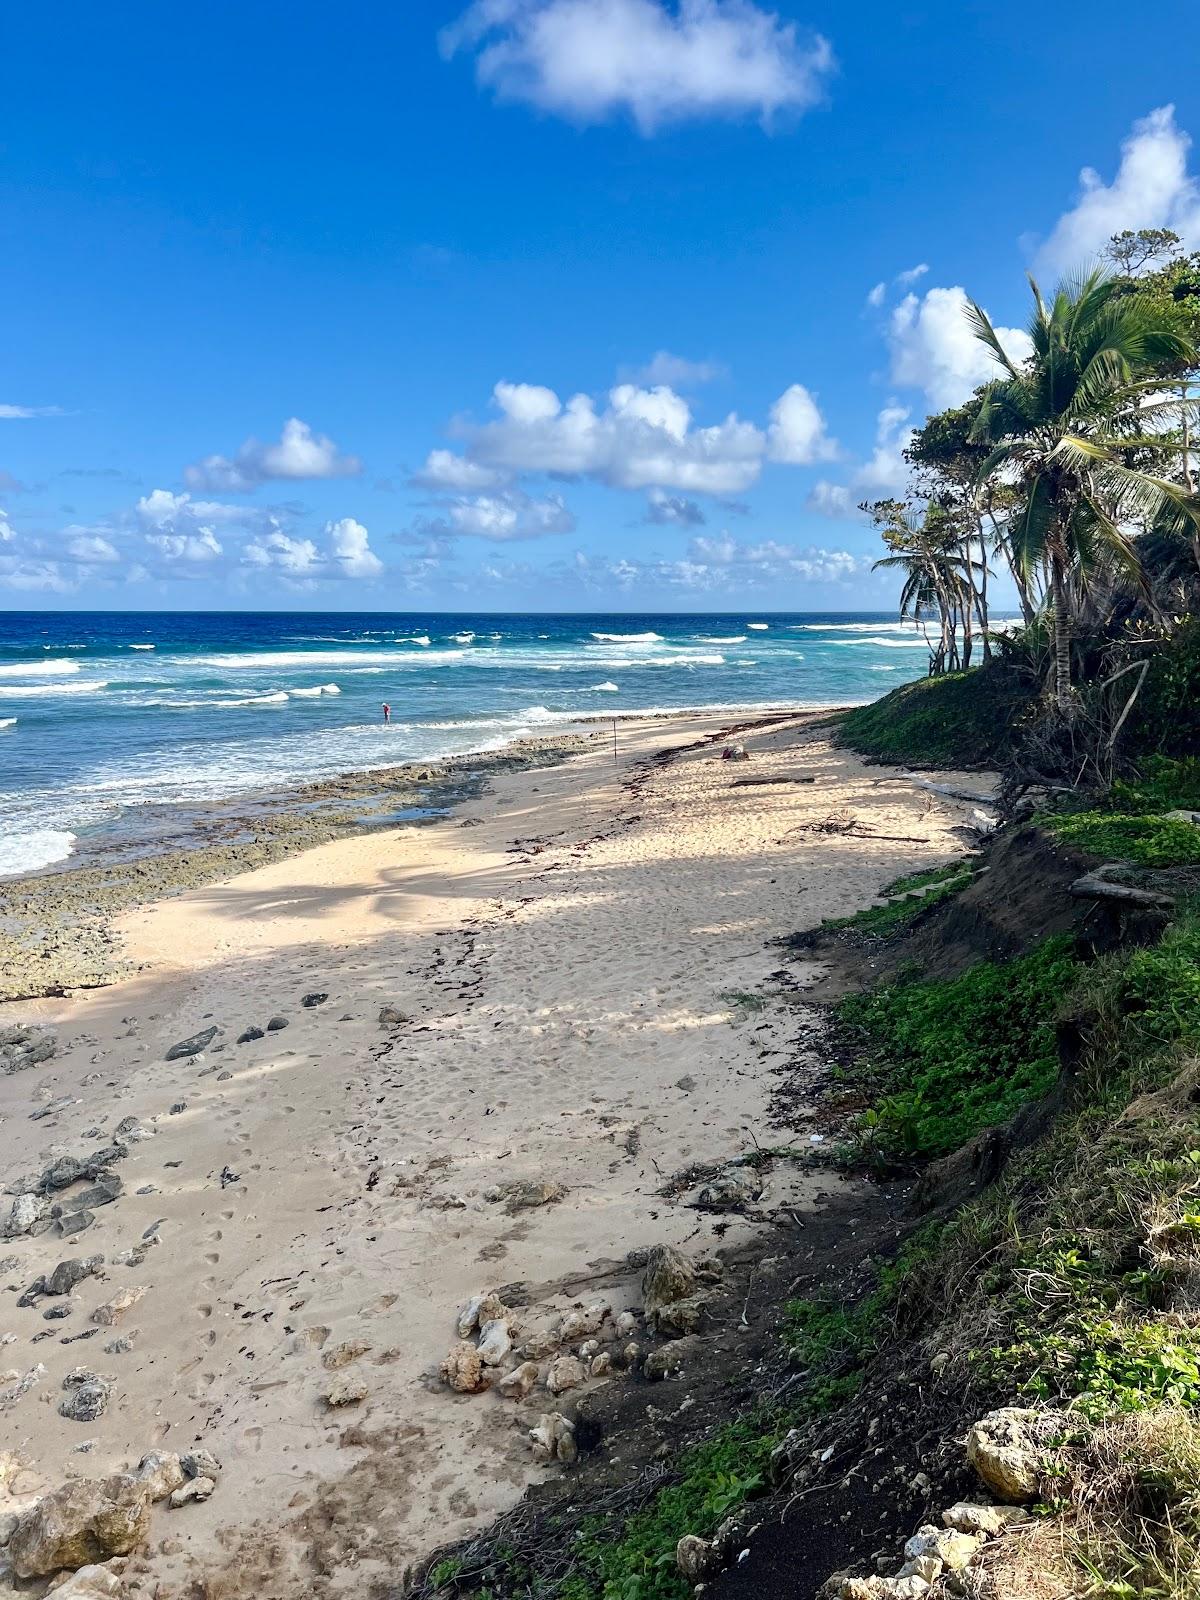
<point x="1014" y="1064"/>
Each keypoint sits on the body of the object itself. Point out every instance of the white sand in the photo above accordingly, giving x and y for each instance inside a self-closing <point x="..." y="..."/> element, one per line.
<point x="556" y="993"/>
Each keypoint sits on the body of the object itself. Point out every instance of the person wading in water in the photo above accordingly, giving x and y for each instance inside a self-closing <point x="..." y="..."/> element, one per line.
<point x="387" y="713"/>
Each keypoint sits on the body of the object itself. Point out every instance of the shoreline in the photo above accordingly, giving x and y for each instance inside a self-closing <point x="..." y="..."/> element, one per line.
<point x="55" y="921"/>
<point x="503" y="1033"/>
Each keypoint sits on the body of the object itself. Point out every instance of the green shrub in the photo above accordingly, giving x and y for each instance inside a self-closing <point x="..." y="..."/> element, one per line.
<point x="1164" y="784"/>
<point x="949" y="1058"/>
<point x="904" y="900"/>
<point x="962" y="719"/>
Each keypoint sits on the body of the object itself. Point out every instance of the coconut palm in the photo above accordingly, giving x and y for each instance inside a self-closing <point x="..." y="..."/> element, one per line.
<point x="924" y="550"/>
<point x="1062" y="426"/>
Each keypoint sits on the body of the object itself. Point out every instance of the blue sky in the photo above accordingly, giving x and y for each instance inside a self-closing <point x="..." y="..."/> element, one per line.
<point x="563" y="304"/>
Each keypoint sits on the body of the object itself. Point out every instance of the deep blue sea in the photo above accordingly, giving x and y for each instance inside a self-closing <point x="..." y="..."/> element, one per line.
<point x="103" y="712"/>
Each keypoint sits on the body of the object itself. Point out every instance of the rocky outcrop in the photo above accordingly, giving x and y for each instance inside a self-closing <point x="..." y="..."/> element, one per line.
<point x="85" y="1521"/>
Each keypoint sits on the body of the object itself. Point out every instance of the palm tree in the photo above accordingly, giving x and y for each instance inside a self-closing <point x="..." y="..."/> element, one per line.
<point x="924" y="550"/>
<point x="1061" y="425"/>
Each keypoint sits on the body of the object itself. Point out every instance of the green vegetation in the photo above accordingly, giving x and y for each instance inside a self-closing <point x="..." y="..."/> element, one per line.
<point x="1146" y="841"/>
<point x="961" y="719"/>
<point x="904" y="899"/>
<point x="1164" y="784"/>
<point x="946" y="1059"/>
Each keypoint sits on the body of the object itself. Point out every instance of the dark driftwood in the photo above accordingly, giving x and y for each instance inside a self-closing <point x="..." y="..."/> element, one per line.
<point x="787" y="777"/>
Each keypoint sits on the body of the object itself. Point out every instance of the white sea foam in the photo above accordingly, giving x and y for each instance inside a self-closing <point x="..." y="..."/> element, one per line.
<point x="8" y="722"/>
<point x="313" y="694"/>
<point x="462" y="638"/>
<point x="627" y="638"/>
<point x="759" y="627"/>
<point x="22" y="691"/>
<point x="141" y="647"/>
<point x="707" y="638"/>
<point x="335" y="660"/>
<point x="26" y="852"/>
<point x="603" y="688"/>
<point x="880" y="643"/>
<point x="37" y="669"/>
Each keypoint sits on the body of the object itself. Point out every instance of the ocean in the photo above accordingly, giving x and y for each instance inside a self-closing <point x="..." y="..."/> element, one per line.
<point x="102" y="713"/>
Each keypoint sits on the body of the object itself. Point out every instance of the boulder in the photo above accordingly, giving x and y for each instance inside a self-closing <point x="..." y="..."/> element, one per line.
<point x="200" y="1464"/>
<point x="669" y="1276"/>
<point x="480" y="1308"/>
<point x="91" y="1583"/>
<point x="193" y="1489"/>
<point x="495" y="1342"/>
<point x="25" y="1210"/>
<point x="392" y="1017"/>
<point x="932" y="1551"/>
<point x="346" y="1390"/>
<point x="966" y="1517"/>
<point x="463" y="1369"/>
<point x="248" y="1035"/>
<point x="86" y="1520"/>
<point x="694" y="1557"/>
<point x="554" y="1438"/>
<point x="665" y="1362"/>
<point x="113" y="1310"/>
<point x="582" y="1321"/>
<point x="601" y="1365"/>
<point x="515" y="1385"/>
<point x="160" y="1472"/>
<point x="1009" y="1448"/>
<point x="276" y="1024"/>
<point x="192" y="1046"/>
<point x="678" y="1318"/>
<point x="566" y="1372"/>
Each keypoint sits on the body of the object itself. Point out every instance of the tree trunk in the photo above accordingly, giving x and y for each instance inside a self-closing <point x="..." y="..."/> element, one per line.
<point x="983" y="596"/>
<point x="1062" y="635"/>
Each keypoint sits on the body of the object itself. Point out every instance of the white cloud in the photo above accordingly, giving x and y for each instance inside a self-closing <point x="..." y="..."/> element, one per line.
<point x="299" y="454"/>
<point x="640" y="439"/>
<point x="164" y="510"/>
<point x="15" y="413"/>
<point x="350" y="544"/>
<point x="278" y="550"/>
<point x="672" y="509"/>
<point x="660" y="62"/>
<point x="1152" y="189"/>
<point x="797" y="434"/>
<point x="770" y="561"/>
<point x="831" y="499"/>
<point x="7" y="531"/>
<point x="90" y="548"/>
<point x="933" y="347"/>
<point x="885" y="472"/>
<point x="25" y="575"/>
<point x="676" y="372"/>
<point x="876" y="295"/>
<point x="910" y="275"/>
<point x="444" y="470"/>
<point x="509" y="514"/>
<point x="203" y="545"/>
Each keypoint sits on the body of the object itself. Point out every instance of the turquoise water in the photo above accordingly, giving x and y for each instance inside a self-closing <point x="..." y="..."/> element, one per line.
<point x="103" y="713"/>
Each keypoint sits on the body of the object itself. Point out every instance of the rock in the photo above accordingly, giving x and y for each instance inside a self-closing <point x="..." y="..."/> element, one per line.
<point x="63" y="1279"/>
<point x="626" y="1324"/>
<point x="687" y="1083"/>
<point x="87" y="1396"/>
<point x="161" y="1472"/>
<point x="192" y="1046"/>
<point x="525" y="1194"/>
<point x="248" y="1035"/>
<point x="631" y="1355"/>
<point x="481" y="1308"/>
<point x="26" y="1209"/>
<point x="601" y="1365"/>
<point x="1183" y="816"/>
<point x="463" y="1369"/>
<point x="200" y="1464"/>
<point x="494" y="1342"/>
<point x="554" y="1438"/>
<point x="1008" y="1449"/>
<point x="930" y="1550"/>
<point x="664" y="1362"/>
<point x="576" y="1324"/>
<point x="538" y="1345"/>
<point x="90" y="1583"/>
<point x="113" y="1310"/>
<point x="677" y="1319"/>
<point x="132" y="1131"/>
<point x="731" y="1190"/>
<point x="178" y="1107"/>
<point x="966" y="1517"/>
<point x="341" y="1355"/>
<point x="8" y="1525"/>
<point x="193" y="1489"/>
<point x="515" y="1385"/>
<point x="84" y="1521"/>
<point x="347" y="1390"/>
<point x="276" y="1024"/>
<point x="315" y="999"/>
<point x="588" y="1349"/>
<point x="668" y="1277"/>
<point x="566" y="1372"/>
<point x="391" y="1017"/>
<point x="694" y="1557"/>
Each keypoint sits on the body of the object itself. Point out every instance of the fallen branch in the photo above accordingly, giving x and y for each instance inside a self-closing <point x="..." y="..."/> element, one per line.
<point x="1097" y="886"/>
<point x="787" y="777"/>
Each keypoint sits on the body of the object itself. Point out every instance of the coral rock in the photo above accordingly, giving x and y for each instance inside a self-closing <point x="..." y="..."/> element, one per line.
<point x="84" y="1521"/>
<point x="463" y="1369"/>
<point x="1008" y="1449"/>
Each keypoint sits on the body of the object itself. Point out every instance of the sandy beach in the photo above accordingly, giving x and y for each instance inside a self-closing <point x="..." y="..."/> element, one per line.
<point x="504" y="1031"/>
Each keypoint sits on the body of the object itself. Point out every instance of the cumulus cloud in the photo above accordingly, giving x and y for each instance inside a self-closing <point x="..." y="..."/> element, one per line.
<point x="351" y="549"/>
<point x="667" y="510"/>
<point x="198" y="547"/>
<point x="885" y="472"/>
<point x="877" y="295"/>
<point x="638" y="439"/>
<point x="659" y="61"/>
<point x="91" y="549"/>
<point x="934" y="349"/>
<point x="297" y="558"/>
<point x="33" y="575"/>
<point x="7" y="531"/>
<point x="1152" y="189"/>
<point x="910" y="275"/>
<point x="444" y="470"/>
<point x="17" y="413"/>
<point x="298" y="454"/>
<point x="768" y="559"/>
<point x="832" y="499"/>
<point x="163" y="509"/>
<point x="797" y="435"/>
<point x="507" y="514"/>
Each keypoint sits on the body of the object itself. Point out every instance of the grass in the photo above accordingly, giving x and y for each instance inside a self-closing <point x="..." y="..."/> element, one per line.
<point x="962" y="719"/>
<point x="905" y="898"/>
<point x="946" y="1059"/>
<point x="1147" y="841"/>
